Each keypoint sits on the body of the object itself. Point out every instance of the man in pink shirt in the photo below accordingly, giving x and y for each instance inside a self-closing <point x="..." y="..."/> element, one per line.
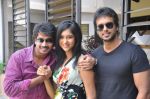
<point x="21" y="80"/>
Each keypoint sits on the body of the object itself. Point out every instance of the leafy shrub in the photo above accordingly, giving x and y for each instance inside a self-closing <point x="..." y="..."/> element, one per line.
<point x="90" y="44"/>
<point x="1" y="67"/>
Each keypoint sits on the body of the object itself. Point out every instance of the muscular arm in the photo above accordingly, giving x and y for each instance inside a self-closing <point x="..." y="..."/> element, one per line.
<point x="142" y="82"/>
<point x="89" y="83"/>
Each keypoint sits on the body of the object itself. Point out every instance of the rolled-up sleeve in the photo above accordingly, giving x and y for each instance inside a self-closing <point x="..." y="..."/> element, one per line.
<point x="13" y="83"/>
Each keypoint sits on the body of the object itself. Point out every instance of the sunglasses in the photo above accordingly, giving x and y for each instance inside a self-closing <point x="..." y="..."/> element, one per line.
<point x="109" y="25"/>
<point x="41" y="40"/>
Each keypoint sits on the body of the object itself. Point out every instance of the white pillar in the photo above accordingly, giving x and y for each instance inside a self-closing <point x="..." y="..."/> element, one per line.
<point x="1" y="33"/>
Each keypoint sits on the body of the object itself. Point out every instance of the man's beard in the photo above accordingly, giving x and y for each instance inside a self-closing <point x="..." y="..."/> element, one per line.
<point x="112" y="38"/>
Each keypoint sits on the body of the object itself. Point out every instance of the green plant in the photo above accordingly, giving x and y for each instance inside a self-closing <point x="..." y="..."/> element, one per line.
<point x="1" y="67"/>
<point x="90" y="44"/>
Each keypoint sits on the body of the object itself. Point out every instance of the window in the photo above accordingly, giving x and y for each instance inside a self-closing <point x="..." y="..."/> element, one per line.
<point x="85" y="29"/>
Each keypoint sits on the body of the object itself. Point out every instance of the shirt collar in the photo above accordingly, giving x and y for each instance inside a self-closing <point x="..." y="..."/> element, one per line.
<point x="50" y="57"/>
<point x="29" y="54"/>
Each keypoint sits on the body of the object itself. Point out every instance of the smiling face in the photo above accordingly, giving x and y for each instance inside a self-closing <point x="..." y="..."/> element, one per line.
<point x="43" y="44"/>
<point x="106" y="29"/>
<point x="67" y="41"/>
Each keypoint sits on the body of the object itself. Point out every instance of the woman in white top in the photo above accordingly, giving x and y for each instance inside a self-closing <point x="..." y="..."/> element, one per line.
<point x="71" y="82"/>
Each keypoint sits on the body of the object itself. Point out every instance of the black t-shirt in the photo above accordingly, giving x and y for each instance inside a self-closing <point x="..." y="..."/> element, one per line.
<point x="114" y="71"/>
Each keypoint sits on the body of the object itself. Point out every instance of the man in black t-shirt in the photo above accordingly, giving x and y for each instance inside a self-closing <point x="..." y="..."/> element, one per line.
<point x="122" y="70"/>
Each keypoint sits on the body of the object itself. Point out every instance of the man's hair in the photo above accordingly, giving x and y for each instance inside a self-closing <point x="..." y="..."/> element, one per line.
<point x="45" y="28"/>
<point x="105" y="12"/>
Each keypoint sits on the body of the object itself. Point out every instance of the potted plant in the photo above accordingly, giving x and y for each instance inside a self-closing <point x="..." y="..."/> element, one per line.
<point x="90" y="43"/>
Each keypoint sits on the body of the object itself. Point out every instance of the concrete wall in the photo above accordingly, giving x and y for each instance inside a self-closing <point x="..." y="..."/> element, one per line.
<point x="37" y="16"/>
<point x="90" y="6"/>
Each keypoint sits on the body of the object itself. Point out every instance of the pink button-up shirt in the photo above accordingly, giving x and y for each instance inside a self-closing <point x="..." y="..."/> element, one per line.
<point x="20" y="70"/>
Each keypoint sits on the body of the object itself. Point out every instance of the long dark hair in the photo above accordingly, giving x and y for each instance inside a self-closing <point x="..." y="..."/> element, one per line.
<point x="76" y="31"/>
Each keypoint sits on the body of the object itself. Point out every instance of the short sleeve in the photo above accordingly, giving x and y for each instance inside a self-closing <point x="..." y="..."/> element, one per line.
<point x="139" y="60"/>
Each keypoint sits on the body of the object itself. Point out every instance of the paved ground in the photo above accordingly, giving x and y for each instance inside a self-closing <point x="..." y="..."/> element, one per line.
<point x="2" y="95"/>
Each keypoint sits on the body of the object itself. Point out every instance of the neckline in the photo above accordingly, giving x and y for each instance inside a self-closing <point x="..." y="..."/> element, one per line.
<point x="68" y="61"/>
<point x="114" y="50"/>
